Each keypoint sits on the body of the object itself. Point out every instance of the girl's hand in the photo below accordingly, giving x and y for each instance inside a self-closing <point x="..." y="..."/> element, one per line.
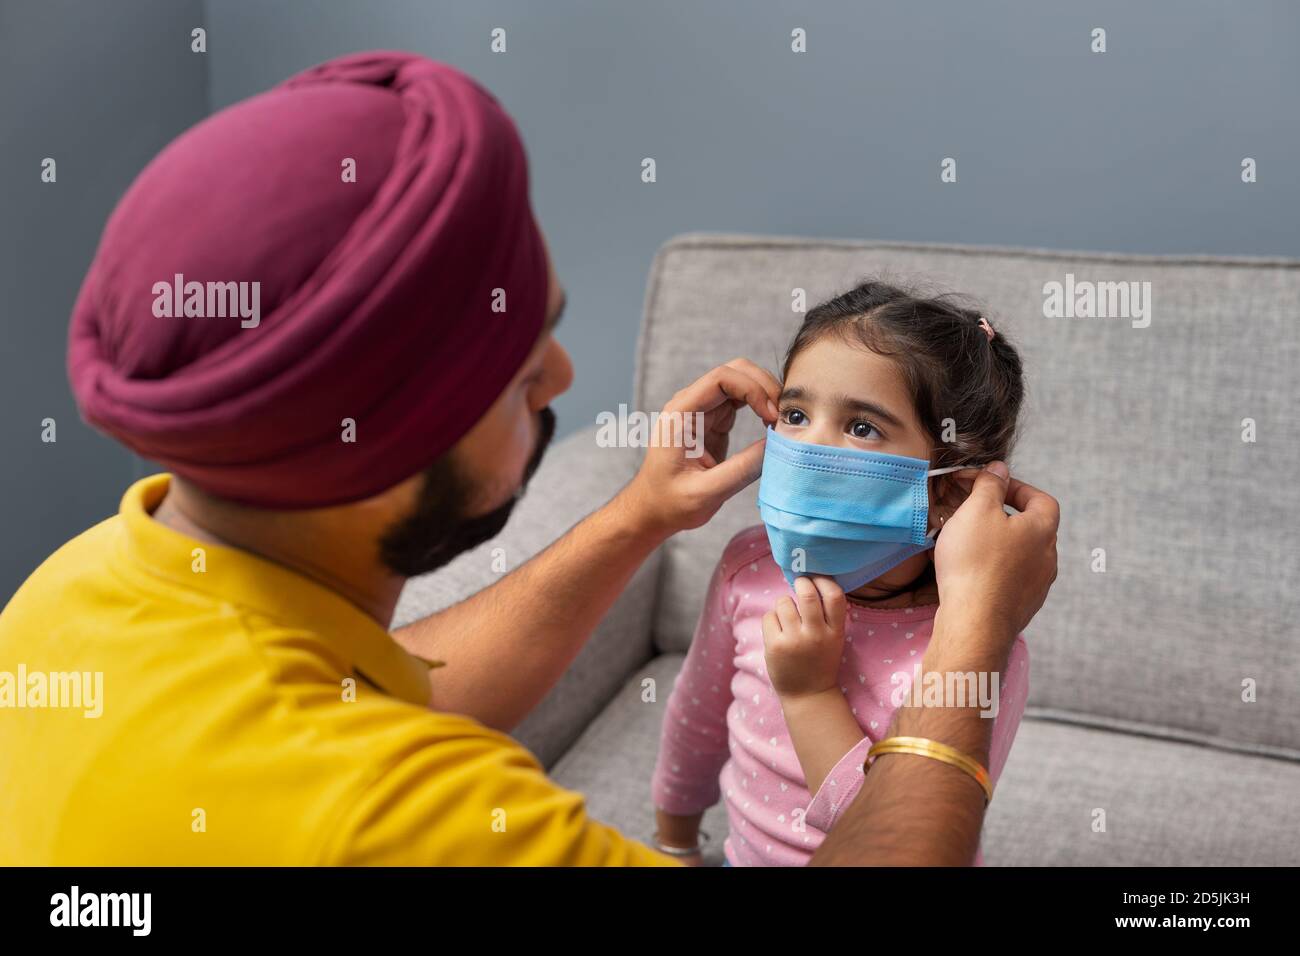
<point x="804" y="642"/>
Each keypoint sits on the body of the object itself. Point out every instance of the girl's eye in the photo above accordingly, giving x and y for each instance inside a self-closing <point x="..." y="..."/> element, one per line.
<point x="793" y="416"/>
<point x="864" y="430"/>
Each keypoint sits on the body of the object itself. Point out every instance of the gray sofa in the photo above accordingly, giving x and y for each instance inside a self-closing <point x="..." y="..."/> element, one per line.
<point x="1136" y="715"/>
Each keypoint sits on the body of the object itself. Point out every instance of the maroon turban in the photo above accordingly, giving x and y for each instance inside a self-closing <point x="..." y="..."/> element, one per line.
<point x="404" y="300"/>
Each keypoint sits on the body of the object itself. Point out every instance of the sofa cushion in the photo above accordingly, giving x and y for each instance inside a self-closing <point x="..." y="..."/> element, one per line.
<point x="1165" y="803"/>
<point x="1137" y="431"/>
<point x="614" y="759"/>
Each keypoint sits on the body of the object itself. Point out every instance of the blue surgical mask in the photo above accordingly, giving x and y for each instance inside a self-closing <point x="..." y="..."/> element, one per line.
<point x="843" y="512"/>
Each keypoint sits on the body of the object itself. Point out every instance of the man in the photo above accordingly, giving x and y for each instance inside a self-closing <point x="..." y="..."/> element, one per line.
<point x="328" y="312"/>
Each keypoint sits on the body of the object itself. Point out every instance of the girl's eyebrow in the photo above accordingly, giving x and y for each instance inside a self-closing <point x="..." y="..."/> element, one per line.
<point x="796" y="393"/>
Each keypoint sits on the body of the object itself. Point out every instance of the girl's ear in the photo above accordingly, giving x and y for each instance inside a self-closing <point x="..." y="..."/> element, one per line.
<point x="946" y="496"/>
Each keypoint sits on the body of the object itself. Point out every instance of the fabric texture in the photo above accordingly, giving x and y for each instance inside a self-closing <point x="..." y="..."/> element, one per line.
<point x="400" y="299"/>
<point x="236" y="678"/>
<point x="724" y="735"/>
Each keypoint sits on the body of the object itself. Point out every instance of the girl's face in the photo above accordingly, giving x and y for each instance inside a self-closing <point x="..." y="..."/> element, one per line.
<point x="845" y="395"/>
<point x="848" y="396"/>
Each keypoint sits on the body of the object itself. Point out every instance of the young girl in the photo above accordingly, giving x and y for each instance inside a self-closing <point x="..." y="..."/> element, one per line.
<point x="783" y="739"/>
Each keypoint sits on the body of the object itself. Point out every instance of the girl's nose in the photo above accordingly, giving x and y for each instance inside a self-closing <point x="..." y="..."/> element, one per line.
<point x="821" y="434"/>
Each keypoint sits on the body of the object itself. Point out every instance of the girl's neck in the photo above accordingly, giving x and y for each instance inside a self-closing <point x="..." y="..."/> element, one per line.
<point x="923" y="592"/>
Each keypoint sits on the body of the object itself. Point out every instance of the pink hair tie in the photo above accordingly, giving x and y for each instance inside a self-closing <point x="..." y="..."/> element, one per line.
<point x="988" y="329"/>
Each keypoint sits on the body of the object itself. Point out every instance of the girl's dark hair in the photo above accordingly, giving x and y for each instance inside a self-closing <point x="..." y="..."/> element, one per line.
<point x="952" y="367"/>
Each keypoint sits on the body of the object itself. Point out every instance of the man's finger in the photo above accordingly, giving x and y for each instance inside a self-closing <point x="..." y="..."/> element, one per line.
<point x="720" y="385"/>
<point x="769" y="381"/>
<point x="723" y="418"/>
<point x="742" y="468"/>
<point x="1027" y="499"/>
<point x="989" y="489"/>
<point x="966" y="477"/>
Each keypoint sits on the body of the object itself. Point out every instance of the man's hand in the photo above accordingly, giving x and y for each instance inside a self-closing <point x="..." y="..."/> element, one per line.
<point x="539" y="615"/>
<point x="805" y="642"/>
<point x="686" y="475"/>
<point x="994" y="571"/>
<point x="995" y="566"/>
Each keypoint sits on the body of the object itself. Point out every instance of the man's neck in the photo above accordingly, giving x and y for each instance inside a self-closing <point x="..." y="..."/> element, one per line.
<point x="335" y="564"/>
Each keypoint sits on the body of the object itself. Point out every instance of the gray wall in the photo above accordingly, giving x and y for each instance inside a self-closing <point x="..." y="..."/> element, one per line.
<point x="1137" y="149"/>
<point x="100" y="88"/>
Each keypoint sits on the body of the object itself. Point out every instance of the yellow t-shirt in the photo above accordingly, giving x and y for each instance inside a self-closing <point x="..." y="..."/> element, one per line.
<point x="245" y="715"/>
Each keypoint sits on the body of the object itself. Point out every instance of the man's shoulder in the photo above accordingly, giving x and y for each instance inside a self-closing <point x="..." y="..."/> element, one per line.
<point x="83" y="556"/>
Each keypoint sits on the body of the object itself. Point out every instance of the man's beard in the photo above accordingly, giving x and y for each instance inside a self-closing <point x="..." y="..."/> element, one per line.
<point x="438" y="529"/>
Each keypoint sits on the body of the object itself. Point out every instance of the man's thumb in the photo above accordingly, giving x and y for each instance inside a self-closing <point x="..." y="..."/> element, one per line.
<point x="991" y="485"/>
<point x="738" y="470"/>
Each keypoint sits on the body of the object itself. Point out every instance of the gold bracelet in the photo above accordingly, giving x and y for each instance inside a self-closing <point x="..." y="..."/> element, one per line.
<point x="925" y="747"/>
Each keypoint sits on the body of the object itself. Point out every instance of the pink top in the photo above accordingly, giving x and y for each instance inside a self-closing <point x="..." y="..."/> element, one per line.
<point x="724" y="733"/>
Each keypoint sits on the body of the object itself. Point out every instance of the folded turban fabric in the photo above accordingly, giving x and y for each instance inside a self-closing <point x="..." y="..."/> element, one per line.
<point x="377" y="301"/>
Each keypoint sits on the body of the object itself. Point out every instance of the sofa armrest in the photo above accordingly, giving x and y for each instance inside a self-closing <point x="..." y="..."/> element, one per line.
<point x="575" y="478"/>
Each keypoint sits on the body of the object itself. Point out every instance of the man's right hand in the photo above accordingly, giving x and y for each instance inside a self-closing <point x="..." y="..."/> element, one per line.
<point x="994" y="566"/>
<point x="683" y="482"/>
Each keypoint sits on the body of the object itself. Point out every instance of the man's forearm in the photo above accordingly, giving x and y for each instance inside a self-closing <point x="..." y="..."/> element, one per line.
<point x="913" y="810"/>
<point x="506" y="646"/>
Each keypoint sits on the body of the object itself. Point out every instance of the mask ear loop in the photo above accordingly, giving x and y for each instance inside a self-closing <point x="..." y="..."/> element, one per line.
<point x="935" y="473"/>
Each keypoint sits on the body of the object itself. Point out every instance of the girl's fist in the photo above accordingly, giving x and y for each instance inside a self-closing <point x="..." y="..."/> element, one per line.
<point x="804" y="638"/>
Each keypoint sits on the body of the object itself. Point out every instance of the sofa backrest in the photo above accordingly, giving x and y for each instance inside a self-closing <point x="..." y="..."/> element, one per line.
<point x="1138" y="431"/>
